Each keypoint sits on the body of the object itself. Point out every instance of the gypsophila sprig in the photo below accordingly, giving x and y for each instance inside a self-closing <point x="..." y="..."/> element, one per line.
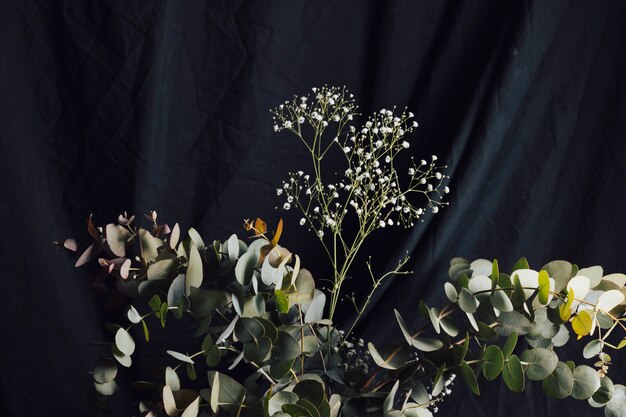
<point x="369" y="187"/>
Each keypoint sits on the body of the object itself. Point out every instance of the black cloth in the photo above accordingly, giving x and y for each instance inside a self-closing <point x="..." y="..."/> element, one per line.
<point x="164" y="105"/>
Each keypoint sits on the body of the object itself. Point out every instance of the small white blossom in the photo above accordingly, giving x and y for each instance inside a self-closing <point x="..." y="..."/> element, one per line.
<point x="286" y="206"/>
<point x="405" y="144"/>
<point x="435" y="209"/>
<point x="302" y="221"/>
<point x="446" y="190"/>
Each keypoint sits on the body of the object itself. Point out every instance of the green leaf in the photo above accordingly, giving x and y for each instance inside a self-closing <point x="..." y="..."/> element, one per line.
<point x="540" y="363"/>
<point x="451" y="292"/>
<point x="192" y="409"/>
<point x="521" y="263"/>
<point x="196" y="239"/>
<point x="180" y="356"/>
<point x="245" y="267"/>
<point x="191" y="372"/>
<point x="470" y="377"/>
<point x="116" y="238"/>
<point x="285" y="348"/>
<point x="513" y="321"/>
<point x="248" y="329"/>
<point x="501" y="301"/>
<point x="276" y="402"/>
<point x="121" y="358"/>
<point x="155" y="303"/>
<point x="146" y="333"/>
<point x="388" y="357"/>
<point x="104" y="371"/>
<point x="616" y="407"/>
<point x="513" y="374"/>
<point x="493" y="362"/>
<point x="310" y="390"/>
<point x="193" y="277"/>
<point x="605" y="392"/>
<point x="560" y="271"/>
<point x="467" y="302"/>
<point x="560" y="382"/>
<point x="203" y="302"/>
<point x="495" y="275"/>
<point x="586" y="382"/>
<point x="160" y="269"/>
<point x="124" y="341"/>
<point x="519" y="296"/>
<point x="163" y="314"/>
<point x="592" y="349"/>
<point x="425" y="344"/>
<point x="171" y="379"/>
<point x="107" y="388"/>
<point x="213" y="356"/>
<point x="148" y="246"/>
<point x="176" y="292"/>
<point x="282" y="303"/>
<point x="279" y="370"/>
<point x="509" y="345"/>
<point x="544" y="287"/>
<point x="388" y="403"/>
<point x="257" y="351"/>
<point x="438" y="382"/>
<point x="230" y="393"/>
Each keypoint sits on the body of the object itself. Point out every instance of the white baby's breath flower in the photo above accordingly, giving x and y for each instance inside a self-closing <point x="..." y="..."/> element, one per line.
<point x="302" y="221"/>
<point x="286" y="206"/>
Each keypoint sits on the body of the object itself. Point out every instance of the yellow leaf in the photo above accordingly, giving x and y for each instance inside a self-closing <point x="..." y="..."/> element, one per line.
<point x="279" y="231"/>
<point x="581" y="324"/>
<point x="564" y="310"/>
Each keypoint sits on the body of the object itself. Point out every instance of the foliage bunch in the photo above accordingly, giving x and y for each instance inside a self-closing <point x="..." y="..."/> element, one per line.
<point x="266" y="344"/>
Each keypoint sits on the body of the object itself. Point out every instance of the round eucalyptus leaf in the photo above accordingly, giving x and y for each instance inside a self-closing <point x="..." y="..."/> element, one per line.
<point x="171" y="379"/>
<point x="104" y="371"/>
<point x="279" y="369"/>
<point x="244" y="268"/>
<point x="124" y="341"/>
<point x="513" y="374"/>
<point x="586" y="382"/>
<point x="493" y="362"/>
<point x="467" y="302"/>
<point x="451" y="292"/>
<point x="310" y="390"/>
<point x="501" y="301"/>
<point x="247" y="329"/>
<point x="213" y="356"/>
<point x="513" y="321"/>
<point x="315" y="311"/>
<point x="232" y="245"/>
<point x="257" y="351"/>
<point x="123" y="359"/>
<point x="560" y="382"/>
<point x="616" y="407"/>
<point x="107" y="388"/>
<point x="592" y="349"/>
<point x="285" y="348"/>
<point x="562" y="336"/>
<point x="540" y="363"/>
<point x="133" y="315"/>
<point x="605" y="392"/>
<point x="449" y="326"/>
<point x="269" y="328"/>
<point x="276" y="402"/>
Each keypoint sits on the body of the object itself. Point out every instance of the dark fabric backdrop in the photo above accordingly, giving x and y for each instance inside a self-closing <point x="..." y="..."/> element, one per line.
<point x="140" y="105"/>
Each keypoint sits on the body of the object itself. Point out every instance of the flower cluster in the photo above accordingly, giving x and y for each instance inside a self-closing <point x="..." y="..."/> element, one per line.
<point x="369" y="185"/>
